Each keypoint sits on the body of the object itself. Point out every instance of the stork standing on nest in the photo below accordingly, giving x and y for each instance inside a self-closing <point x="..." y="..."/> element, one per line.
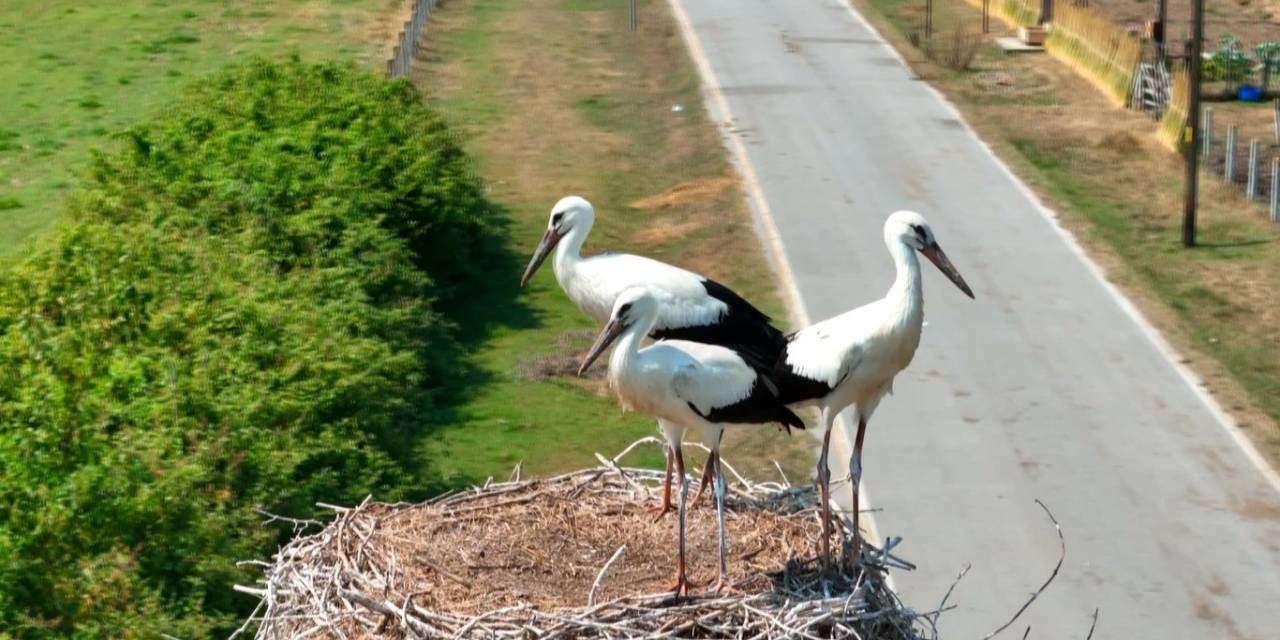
<point x="690" y="306"/>
<point x="685" y="385"/>
<point x="851" y="359"/>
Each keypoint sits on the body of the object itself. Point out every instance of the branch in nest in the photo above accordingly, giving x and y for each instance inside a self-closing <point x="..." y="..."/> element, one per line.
<point x="591" y="597"/>
<point x="1062" y="542"/>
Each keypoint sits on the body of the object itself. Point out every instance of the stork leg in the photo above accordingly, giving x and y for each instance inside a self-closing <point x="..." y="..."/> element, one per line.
<point x="855" y="474"/>
<point x="719" y="488"/>
<point x="665" y="507"/>
<point x="824" y="489"/>
<point x="708" y="471"/>
<point x="682" y="578"/>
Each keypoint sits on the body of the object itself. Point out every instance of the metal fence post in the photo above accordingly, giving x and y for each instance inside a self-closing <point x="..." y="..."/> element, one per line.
<point x="1252" y="189"/>
<point x="1208" y="131"/>
<point x="1275" y="189"/>
<point x="631" y="15"/>
<point x="1229" y="167"/>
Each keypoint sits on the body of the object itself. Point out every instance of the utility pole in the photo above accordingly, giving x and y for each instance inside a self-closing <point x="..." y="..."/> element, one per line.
<point x="1162" y="19"/>
<point x="1193" y="123"/>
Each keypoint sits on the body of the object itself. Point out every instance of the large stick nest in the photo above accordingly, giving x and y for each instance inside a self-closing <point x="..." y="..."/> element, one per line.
<point x="577" y="556"/>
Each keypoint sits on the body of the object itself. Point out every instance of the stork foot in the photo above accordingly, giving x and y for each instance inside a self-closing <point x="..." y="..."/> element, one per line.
<point x="660" y="510"/>
<point x="682" y="586"/>
<point x="725" y="585"/>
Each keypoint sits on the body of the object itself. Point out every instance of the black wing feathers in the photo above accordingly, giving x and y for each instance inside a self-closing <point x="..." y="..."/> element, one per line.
<point x="743" y="328"/>
<point x="762" y="405"/>
<point x="793" y="387"/>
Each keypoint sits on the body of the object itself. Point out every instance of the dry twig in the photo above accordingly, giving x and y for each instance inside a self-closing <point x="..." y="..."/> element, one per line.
<point x="1062" y="543"/>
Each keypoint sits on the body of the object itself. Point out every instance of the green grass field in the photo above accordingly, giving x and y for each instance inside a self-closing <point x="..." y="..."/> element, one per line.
<point x="73" y="73"/>
<point x="557" y="98"/>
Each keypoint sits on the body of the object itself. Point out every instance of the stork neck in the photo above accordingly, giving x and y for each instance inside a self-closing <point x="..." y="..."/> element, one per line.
<point x="569" y="250"/>
<point x="628" y="345"/>
<point x="907" y="289"/>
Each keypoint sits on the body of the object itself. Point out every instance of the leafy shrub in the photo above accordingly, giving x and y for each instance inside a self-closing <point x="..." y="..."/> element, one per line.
<point x="1229" y="62"/>
<point x="279" y="138"/>
<point x="1267" y="52"/>
<point x="954" y="50"/>
<point x="235" y="315"/>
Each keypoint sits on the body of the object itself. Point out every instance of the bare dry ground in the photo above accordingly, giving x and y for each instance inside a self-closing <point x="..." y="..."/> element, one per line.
<point x="1120" y="192"/>
<point x="1253" y="21"/>
<point x="1253" y="121"/>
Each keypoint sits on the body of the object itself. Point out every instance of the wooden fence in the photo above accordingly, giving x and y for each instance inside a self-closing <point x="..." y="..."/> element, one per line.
<point x="407" y="44"/>
<point x="1096" y="48"/>
<point x="1173" y="125"/>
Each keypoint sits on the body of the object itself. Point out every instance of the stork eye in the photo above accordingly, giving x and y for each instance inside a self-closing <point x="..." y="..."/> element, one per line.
<point x="622" y="311"/>
<point x="919" y="232"/>
<point x="555" y="219"/>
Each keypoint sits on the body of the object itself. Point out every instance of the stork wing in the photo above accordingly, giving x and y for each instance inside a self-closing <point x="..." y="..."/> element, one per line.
<point x="683" y="299"/>
<point x="820" y="355"/>
<point x="716" y="378"/>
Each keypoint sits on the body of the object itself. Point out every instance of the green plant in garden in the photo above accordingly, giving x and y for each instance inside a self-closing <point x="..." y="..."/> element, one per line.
<point x="1268" y="55"/>
<point x="1267" y="51"/>
<point x="1229" y="62"/>
<point x="236" y="313"/>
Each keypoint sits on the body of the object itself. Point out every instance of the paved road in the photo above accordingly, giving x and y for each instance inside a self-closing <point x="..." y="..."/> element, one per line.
<point x="1045" y="387"/>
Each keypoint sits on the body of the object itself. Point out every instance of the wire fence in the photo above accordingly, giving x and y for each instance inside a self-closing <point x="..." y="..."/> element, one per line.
<point x="407" y="42"/>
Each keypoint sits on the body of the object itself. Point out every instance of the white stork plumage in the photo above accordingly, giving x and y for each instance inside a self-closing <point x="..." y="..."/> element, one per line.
<point x="851" y="359"/>
<point x="691" y="306"/>
<point x="685" y="385"/>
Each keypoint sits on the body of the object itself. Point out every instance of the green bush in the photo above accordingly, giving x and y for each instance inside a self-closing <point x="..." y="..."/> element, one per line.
<point x="1229" y="62"/>
<point x="237" y="314"/>
<point x="264" y="141"/>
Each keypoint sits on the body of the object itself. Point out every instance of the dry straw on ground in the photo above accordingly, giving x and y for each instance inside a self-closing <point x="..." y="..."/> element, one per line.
<point x="575" y="556"/>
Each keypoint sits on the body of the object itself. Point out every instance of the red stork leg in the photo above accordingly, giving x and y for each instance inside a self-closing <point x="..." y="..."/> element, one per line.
<point x="682" y="584"/>
<point x="824" y="488"/>
<point x="708" y="472"/>
<point x="855" y="474"/>
<point x="665" y="507"/>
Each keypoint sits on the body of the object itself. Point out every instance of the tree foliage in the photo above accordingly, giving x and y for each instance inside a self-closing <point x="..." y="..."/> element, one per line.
<point x="238" y="313"/>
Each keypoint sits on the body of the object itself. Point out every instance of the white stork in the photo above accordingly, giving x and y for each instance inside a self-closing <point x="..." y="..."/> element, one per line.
<point x="685" y="385"/>
<point x="851" y="359"/>
<point x="691" y="307"/>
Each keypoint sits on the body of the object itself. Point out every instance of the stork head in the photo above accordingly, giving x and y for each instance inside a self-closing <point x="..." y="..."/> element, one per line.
<point x="636" y="307"/>
<point x="911" y="229"/>
<point x="571" y="212"/>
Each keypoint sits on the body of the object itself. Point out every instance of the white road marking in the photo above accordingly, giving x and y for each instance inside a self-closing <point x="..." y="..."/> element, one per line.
<point x="767" y="230"/>
<point x="1194" y="382"/>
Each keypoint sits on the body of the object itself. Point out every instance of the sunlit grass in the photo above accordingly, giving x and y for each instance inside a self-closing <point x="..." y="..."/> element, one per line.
<point x="75" y="72"/>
